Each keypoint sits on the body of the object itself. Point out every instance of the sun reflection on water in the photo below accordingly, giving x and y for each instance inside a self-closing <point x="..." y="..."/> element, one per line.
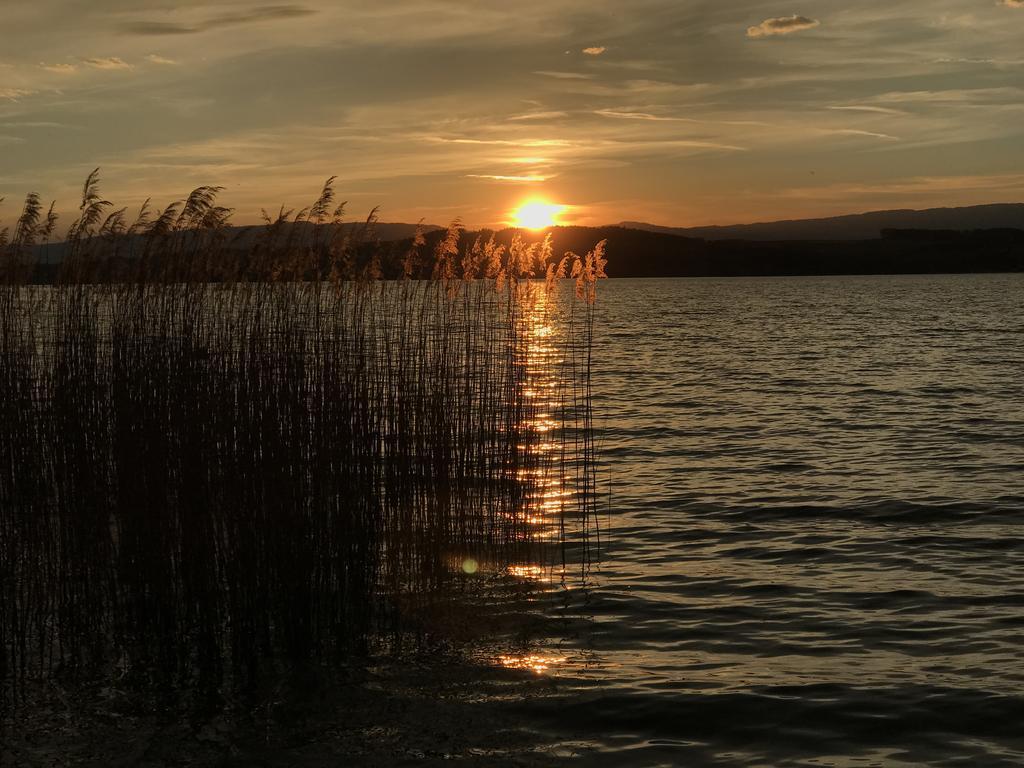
<point x="541" y="360"/>
<point x="535" y="662"/>
<point x="536" y="573"/>
<point x="545" y="472"/>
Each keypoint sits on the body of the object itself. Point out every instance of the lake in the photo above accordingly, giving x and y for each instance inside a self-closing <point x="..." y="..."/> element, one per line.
<point x="814" y="545"/>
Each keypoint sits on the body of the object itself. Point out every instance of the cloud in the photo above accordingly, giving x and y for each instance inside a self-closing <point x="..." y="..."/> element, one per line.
<point x="529" y="178"/>
<point x="32" y="124"/>
<point x="1001" y="95"/>
<point x="856" y="132"/>
<point x="964" y="60"/>
<point x="642" y="116"/>
<point x="783" y="25"/>
<point x="13" y="94"/>
<point x="107" y="62"/>
<point x="991" y="186"/>
<point x="867" y="108"/>
<point x="540" y="116"/>
<point x="621" y="147"/>
<point x="595" y="50"/>
<point x="60" y="69"/>
<point x="262" y="13"/>
<point x="501" y="142"/>
<point x="563" y="75"/>
<point x="1013" y="3"/>
<point x="157" y="59"/>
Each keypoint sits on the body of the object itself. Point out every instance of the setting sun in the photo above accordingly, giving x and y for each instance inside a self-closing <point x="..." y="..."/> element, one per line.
<point x="537" y="214"/>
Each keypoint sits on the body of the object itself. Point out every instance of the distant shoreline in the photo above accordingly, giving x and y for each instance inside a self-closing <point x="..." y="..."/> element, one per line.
<point x="639" y="253"/>
<point x="643" y="253"/>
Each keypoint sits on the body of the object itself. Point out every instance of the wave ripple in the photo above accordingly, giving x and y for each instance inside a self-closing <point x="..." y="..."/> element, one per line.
<point x="816" y="552"/>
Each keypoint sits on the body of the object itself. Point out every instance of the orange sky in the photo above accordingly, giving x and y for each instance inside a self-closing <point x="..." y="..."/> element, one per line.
<point x="678" y="112"/>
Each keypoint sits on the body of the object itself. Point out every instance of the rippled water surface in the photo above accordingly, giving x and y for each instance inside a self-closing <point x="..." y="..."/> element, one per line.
<point x="815" y="544"/>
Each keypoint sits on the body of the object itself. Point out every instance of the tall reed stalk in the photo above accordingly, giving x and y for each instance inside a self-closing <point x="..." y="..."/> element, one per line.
<point x="219" y="450"/>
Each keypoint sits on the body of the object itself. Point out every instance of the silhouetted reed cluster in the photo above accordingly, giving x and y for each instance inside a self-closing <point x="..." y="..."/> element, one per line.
<point x="223" y="446"/>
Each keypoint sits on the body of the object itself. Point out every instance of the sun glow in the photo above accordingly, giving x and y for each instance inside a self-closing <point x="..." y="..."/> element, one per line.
<point x="537" y="214"/>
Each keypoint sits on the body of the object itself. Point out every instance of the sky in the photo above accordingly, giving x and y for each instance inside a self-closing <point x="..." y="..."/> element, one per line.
<point x="677" y="112"/>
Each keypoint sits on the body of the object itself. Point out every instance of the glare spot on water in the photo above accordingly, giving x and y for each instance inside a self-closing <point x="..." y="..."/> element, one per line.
<point x="535" y="662"/>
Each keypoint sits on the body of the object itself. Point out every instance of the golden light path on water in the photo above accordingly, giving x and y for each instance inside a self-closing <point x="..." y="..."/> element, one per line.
<point x="546" y="385"/>
<point x="551" y="494"/>
<point x="542" y="364"/>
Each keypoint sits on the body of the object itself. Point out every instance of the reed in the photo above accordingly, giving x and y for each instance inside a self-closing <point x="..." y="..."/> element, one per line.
<point x="219" y="451"/>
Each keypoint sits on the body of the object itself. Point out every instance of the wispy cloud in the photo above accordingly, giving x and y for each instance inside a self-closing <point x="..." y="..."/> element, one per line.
<point x="32" y="124"/>
<point x="60" y="69"/>
<point x="661" y="146"/>
<point x="553" y="115"/>
<point x="595" y="50"/>
<point x="642" y="116"/>
<point x="13" y="94"/>
<point x="926" y="186"/>
<point x="563" y="75"/>
<point x="1013" y="3"/>
<point x="262" y="13"/>
<point x="502" y="142"/>
<point x="524" y="179"/>
<point x="981" y="61"/>
<point x="1007" y="94"/>
<point x="157" y="59"/>
<point x="856" y="132"/>
<point x="782" y="25"/>
<point x="107" y="62"/>
<point x="867" y="108"/>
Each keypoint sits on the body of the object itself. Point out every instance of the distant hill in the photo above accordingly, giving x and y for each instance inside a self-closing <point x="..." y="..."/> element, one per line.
<point x="858" y="226"/>
<point x="640" y="253"/>
<point x="242" y="236"/>
<point x="637" y="253"/>
<point x="385" y="232"/>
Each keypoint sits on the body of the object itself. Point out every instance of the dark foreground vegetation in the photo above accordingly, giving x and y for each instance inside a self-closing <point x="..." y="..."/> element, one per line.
<point x="215" y="460"/>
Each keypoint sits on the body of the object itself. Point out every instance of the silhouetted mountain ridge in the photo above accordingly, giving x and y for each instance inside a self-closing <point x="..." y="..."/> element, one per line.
<point x="856" y="226"/>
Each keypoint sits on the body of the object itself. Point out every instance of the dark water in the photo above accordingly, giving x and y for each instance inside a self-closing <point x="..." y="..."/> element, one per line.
<point x="816" y="543"/>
